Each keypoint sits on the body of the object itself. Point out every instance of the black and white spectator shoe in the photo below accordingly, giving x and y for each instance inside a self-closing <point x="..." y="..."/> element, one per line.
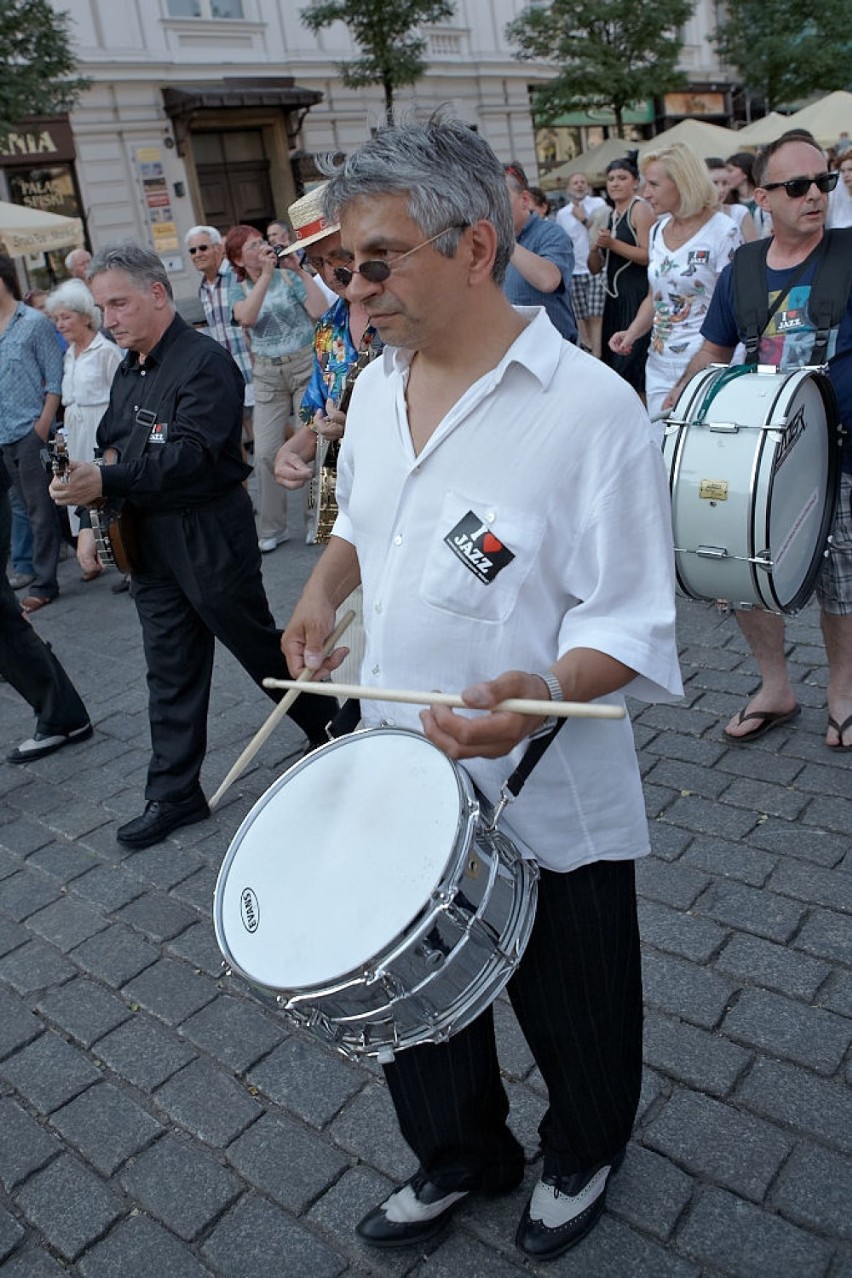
<point x="562" y="1210"/>
<point x="416" y="1211"/>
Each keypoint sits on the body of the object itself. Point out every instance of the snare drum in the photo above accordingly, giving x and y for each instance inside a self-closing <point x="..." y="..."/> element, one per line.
<point x="366" y="891"/>
<point x="754" y="466"/>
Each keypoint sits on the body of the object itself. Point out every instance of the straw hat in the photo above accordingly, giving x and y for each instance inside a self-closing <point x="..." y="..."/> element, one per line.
<point x="307" y="217"/>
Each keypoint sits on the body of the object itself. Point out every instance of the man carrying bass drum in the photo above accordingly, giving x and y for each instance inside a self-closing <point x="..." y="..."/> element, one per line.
<point x="509" y="571"/>
<point x="803" y="326"/>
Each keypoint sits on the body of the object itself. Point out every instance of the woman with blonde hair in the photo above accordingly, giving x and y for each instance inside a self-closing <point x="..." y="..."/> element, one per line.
<point x="90" y="362"/>
<point x="690" y="244"/>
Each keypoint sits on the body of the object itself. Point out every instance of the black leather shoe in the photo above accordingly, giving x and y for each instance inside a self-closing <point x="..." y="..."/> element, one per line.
<point x="43" y="743"/>
<point x="562" y="1210"/>
<point x="416" y="1211"/>
<point x="160" y="817"/>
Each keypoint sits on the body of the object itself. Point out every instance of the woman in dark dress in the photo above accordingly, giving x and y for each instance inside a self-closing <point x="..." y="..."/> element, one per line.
<point x="621" y="251"/>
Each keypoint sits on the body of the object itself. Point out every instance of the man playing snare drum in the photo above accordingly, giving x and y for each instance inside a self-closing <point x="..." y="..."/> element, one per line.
<point x="506" y="512"/>
<point x="793" y="185"/>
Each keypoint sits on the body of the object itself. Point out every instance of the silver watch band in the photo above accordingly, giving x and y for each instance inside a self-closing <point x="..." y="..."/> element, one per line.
<point x="555" y="689"/>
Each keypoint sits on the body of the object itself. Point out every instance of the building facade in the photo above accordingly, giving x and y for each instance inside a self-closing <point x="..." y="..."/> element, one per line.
<point x="212" y="111"/>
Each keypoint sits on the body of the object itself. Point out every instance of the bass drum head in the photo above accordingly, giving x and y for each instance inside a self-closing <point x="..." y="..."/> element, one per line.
<point x="336" y="859"/>
<point x="800" y="508"/>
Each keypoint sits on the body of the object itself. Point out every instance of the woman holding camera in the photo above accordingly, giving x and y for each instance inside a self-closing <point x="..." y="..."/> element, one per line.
<point x="278" y="309"/>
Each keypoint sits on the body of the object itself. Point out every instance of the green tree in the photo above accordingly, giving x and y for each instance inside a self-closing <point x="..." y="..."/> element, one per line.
<point x="36" y="63"/>
<point x="607" y="53"/>
<point x="786" y="49"/>
<point x="392" y="55"/>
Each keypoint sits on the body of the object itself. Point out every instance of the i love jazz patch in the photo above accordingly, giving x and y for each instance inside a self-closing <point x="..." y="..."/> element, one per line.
<point x="473" y="542"/>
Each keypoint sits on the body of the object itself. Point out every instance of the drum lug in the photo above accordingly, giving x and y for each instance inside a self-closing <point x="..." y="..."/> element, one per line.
<point x="710" y="552"/>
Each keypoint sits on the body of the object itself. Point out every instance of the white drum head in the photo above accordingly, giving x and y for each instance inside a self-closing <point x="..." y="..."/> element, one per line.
<point x="797" y="506"/>
<point x="336" y="859"/>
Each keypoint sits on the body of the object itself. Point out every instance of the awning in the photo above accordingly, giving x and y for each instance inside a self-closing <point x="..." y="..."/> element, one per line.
<point x="182" y="100"/>
<point x="25" y="230"/>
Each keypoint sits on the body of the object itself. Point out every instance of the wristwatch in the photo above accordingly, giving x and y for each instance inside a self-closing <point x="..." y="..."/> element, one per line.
<point x="556" y="694"/>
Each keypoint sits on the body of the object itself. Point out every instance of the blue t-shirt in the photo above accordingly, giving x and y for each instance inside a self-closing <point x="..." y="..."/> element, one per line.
<point x="550" y="241"/>
<point x="789" y="336"/>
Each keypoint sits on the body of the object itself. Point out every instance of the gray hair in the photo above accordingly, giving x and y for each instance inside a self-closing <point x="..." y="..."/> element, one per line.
<point x="449" y="174"/>
<point x="143" y="266"/>
<point x="210" y="231"/>
<point x="74" y="296"/>
<point x="69" y="260"/>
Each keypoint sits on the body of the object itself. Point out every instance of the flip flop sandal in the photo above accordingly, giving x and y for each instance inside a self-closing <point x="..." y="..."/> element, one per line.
<point x="766" y="721"/>
<point x="840" y="728"/>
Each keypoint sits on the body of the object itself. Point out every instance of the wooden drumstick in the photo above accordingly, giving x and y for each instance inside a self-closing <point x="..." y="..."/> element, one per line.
<point x="296" y="686"/>
<point x="517" y="705"/>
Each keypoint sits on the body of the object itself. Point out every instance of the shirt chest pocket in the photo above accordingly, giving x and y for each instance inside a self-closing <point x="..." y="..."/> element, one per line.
<point x="479" y="557"/>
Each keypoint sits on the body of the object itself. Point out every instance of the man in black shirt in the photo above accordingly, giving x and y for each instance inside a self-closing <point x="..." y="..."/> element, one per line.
<point x="174" y="420"/>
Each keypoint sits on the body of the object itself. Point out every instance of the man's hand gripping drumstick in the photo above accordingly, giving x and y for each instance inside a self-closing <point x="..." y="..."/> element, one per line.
<point x="584" y="674"/>
<point x="277" y="715"/>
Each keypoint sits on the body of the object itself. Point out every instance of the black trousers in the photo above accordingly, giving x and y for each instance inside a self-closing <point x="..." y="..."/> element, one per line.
<point x="577" y="995"/>
<point x="199" y="581"/>
<point x="26" y="662"/>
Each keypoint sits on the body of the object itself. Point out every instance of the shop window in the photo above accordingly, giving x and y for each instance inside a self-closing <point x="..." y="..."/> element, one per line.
<point x="205" y="8"/>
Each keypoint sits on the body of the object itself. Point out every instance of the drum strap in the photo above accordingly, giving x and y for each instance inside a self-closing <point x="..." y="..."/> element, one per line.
<point x="829" y="294"/>
<point x="531" y="757"/>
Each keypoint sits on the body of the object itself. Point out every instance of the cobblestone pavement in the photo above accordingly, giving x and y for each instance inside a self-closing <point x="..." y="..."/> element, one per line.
<point x="156" y="1119"/>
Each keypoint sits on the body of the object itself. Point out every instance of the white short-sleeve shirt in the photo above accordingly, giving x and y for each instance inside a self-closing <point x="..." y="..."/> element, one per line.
<point x="535" y="520"/>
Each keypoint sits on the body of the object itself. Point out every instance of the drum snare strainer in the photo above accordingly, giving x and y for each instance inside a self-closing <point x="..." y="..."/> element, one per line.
<point x="367" y="892"/>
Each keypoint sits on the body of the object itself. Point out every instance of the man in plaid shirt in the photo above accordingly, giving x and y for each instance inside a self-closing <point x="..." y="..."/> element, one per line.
<point x="206" y="248"/>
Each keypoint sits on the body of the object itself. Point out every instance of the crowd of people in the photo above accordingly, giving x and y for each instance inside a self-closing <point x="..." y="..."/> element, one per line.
<point x="537" y="570"/>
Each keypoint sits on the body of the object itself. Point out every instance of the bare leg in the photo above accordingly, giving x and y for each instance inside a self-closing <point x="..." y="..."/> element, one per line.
<point x="765" y="634"/>
<point x="837" y="634"/>
<point x="595" y="328"/>
<point x="584" y="334"/>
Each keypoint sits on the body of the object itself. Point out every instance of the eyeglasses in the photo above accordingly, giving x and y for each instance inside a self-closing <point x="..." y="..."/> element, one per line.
<point x="797" y="187"/>
<point x="199" y="248"/>
<point x="378" y="272"/>
<point x="319" y="262"/>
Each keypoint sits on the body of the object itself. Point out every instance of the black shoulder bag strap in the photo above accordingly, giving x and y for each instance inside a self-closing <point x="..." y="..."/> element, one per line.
<point x="831" y="287"/>
<point x="751" y="304"/>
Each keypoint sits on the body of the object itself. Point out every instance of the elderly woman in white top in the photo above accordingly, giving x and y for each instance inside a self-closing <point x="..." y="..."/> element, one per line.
<point x="90" y="365"/>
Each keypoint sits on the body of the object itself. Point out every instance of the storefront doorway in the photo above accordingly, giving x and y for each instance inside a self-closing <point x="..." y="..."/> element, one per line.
<point x="233" y="173"/>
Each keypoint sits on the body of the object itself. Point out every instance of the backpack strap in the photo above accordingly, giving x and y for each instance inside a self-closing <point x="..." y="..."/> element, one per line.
<point x="830" y="291"/>
<point x="751" y="305"/>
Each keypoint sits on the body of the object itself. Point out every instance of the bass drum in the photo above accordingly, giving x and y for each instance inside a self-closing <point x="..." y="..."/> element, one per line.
<point x="753" y="456"/>
<point x="367" y="892"/>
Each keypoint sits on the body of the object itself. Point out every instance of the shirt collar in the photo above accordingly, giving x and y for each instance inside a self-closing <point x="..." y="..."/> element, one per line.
<point x="538" y="348"/>
<point x="157" y="354"/>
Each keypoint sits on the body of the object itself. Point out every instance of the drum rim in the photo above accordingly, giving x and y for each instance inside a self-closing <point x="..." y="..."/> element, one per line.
<point x="830" y="494"/>
<point x="469" y="809"/>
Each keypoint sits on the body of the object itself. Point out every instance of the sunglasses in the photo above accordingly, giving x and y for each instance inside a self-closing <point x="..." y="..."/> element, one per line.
<point x="319" y="262"/>
<point x="797" y="187"/>
<point x="378" y="272"/>
<point x="199" y="248"/>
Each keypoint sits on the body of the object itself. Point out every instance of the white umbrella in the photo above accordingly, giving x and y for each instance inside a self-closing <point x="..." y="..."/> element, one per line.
<point x="763" y="131"/>
<point x="825" y="119"/>
<point x="25" y="230"/>
<point x="592" y="163"/>
<point x="705" y="139"/>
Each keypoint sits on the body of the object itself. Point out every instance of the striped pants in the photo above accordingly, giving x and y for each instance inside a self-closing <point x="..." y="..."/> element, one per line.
<point x="577" y="995"/>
